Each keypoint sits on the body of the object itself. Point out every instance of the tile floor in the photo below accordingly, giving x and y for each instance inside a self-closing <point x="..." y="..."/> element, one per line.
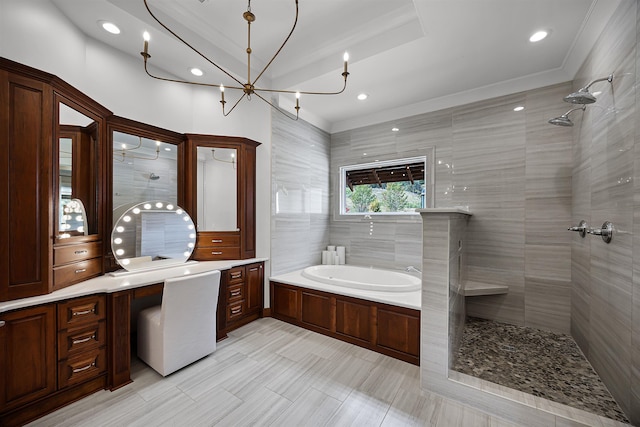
<point x="536" y="362"/>
<point x="273" y="373"/>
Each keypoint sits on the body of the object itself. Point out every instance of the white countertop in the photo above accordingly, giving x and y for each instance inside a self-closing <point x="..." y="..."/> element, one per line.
<point x="403" y="299"/>
<point x="109" y="284"/>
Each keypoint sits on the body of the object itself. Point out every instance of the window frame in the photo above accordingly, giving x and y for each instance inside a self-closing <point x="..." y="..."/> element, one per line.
<point x="429" y="185"/>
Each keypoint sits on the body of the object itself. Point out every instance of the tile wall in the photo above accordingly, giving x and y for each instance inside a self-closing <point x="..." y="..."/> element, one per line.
<point x="605" y="297"/>
<point x="299" y="194"/>
<point x="513" y="171"/>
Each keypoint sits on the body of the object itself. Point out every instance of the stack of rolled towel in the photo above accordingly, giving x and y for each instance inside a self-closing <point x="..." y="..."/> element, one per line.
<point x="334" y="255"/>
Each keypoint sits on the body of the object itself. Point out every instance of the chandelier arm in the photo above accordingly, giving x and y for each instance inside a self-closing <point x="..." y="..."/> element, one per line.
<point x="283" y="43"/>
<point x="188" y="45"/>
<point x="303" y="92"/>
<point x="186" y="81"/>
<point x="234" y="106"/>
<point x="276" y="107"/>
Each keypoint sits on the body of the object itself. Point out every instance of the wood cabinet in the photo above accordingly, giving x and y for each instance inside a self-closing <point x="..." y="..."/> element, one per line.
<point x="214" y="245"/>
<point x="235" y="244"/>
<point x="30" y="180"/>
<point x="387" y="329"/>
<point x="26" y="124"/>
<point x="27" y="356"/>
<point x="241" y="297"/>
<point x="51" y="355"/>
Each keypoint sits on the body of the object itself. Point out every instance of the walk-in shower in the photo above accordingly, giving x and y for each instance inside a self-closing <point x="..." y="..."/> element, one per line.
<point x="564" y="119"/>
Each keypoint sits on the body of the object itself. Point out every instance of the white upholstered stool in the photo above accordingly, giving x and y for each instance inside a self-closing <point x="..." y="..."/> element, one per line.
<point x="183" y="329"/>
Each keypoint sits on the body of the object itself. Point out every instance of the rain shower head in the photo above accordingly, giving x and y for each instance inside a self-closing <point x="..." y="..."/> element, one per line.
<point x="564" y="120"/>
<point x="583" y="96"/>
<point x="153" y="176"/>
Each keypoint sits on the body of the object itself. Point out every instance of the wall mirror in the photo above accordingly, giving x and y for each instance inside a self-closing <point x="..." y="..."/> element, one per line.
<point x="77" y="173"/>
<point x="144" y="168"/>
<point x="152" y="234"/>
<point x="217" y="196"/>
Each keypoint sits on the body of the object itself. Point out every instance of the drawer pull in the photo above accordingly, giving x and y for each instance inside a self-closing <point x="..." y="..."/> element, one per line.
<point x="82" y="313"/>
<point x="216" y="240"/>
<point x="235" y="293"/>
<point x="81" y="252"/>
<point x="253" y="269"/>
<point x="89" y="366"/>
<point x="2" y="323"/>
<point x="81" y="270"/>
<point x="236" y="275"/>
<point x="216" y="253"/>
<point x="92" y="337"/>
<point x="236" y="310"/>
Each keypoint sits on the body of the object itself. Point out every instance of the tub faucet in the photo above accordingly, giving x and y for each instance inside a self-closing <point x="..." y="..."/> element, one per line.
<point x="412" y="269"/>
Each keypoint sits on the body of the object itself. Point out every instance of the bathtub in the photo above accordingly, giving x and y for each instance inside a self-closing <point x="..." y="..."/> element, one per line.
<point x="373" y="284"/>
<point x="370" y="279"/>
<point x="369" y="307"/>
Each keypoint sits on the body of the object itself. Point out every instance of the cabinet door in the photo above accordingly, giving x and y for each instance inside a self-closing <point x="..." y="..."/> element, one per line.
<point x="255" y="277"/>
<point x="27" y="355"/>
<point x="25" y="176"/>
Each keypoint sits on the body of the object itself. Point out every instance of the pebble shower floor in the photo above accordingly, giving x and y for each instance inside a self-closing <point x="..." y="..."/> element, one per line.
<point x="533" y="361"/>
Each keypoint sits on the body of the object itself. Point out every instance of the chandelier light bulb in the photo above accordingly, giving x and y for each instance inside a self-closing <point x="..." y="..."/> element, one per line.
<point x="146" y="36"/>
<point x="297" y="95"/>
<point x="346" y="56"/>
<point x="222" y="88"/>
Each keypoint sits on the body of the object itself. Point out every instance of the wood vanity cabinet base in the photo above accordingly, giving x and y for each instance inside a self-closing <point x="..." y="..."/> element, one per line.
<point x="383" y="328"/>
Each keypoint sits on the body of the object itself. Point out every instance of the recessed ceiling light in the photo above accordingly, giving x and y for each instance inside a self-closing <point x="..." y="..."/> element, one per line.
<point x="537" y="36"/>
<point x="518" y="108"/>
<point x="196" y="72"/>
<point x="362" y="96"/>
<point x="109" y="27"/>
<point x="167" y="149"/>
<point x="394" y="129"/>
<point x="364" y="154"/>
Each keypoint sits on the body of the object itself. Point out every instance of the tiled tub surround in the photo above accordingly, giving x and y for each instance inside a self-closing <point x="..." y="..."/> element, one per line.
<point x="536" y="362"/>
<point x="299" y="194"/>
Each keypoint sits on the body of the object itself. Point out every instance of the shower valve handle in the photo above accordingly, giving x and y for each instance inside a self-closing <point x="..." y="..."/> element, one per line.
<point x="606" y="232"/>
<point x="580" y="228"/>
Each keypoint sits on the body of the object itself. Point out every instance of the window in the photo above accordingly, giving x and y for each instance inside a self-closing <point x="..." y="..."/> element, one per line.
<point x="388" y="187"/>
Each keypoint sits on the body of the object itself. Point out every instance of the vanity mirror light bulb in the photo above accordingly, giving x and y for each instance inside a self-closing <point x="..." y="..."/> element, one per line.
<point x="81" y="229"/>
<point x="187" y="253"/>
<point x="192" y="236"/>
<point x="126" y="218"/>
<point x="79" y="218"/>
<point x="120" y="252"/>
<point x="147" y="206"/>
<point x="117" y="240"/>
<point x="170" y="207"/>
<point x="186" y="218"/>
<point x="119" y="229"/>
<point x="159" y="205"/>
<point x="136" y="211"/>
<point x="179" y="211"/>
<point x="190" y="245"/>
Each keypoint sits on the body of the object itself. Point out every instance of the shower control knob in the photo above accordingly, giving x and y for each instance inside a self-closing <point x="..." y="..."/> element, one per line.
<point x="580" y="228"/>
<point x="606" y="232"/>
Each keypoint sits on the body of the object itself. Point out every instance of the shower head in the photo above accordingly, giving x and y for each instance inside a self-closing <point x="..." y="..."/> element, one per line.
<point x="583" y="96"/>
<point x="154" y="177"/>
<point x="564" y="120"/>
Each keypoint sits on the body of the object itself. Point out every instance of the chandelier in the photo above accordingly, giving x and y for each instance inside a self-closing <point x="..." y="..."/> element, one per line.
<point x="249" y="87"/>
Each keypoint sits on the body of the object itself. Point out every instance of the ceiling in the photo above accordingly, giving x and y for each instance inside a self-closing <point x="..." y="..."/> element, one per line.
<point x="409" y="56"/>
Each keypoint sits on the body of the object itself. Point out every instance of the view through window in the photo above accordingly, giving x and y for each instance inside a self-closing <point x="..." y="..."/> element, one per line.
<point x="390" y="187"/>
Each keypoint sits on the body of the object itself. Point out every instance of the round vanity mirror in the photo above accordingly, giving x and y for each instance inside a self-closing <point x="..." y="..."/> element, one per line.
<point x="153" y="234"/>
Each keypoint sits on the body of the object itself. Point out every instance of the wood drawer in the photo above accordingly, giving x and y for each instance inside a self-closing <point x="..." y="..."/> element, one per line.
<point x="71" y="253"/>
<point x="208" y="239"/>
<point x="209" y="254"/>
<point x="77" y="340"/>
<point x="81" y="311"/>
<point x="235" y="292"/>
<point x="235" y="310"/>
<point x="236" y="275"/>
<point x="82" y="367"/>
<point x="76" y="272"/>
